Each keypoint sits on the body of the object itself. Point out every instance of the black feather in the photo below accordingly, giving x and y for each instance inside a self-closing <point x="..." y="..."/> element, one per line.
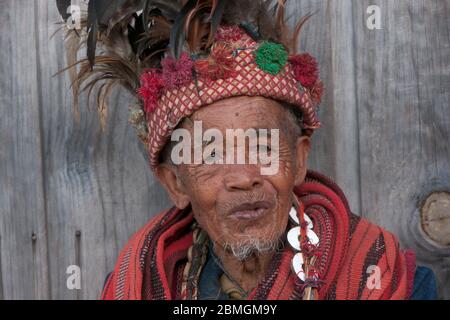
<point x="168" y="9"/>
<point x="251" y="29"/>
<point x="105" y="9"/>
<point x="177" y="35"/>
<point x="123" y="13"/>
<point x="217" y="17"/>
<point x="92" y="23"/>
<point x="63" y="5"/>
<point x="135" y="32"/>
<point x="99" y="14"/>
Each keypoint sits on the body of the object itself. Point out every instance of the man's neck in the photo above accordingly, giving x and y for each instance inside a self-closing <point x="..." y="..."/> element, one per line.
<point x="247" y="273"/>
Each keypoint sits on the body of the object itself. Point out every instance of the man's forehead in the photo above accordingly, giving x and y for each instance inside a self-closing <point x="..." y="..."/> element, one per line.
<point x="240" y="113"/>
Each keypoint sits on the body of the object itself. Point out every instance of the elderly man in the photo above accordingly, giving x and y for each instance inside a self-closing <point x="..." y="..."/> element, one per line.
<point x="249" y="220"/>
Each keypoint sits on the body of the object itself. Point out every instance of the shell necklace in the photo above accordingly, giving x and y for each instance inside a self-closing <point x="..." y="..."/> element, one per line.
<point x="304" y="241"/>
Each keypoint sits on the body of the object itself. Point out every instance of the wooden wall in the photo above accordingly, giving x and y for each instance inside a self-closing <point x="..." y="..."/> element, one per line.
<point x="71" y="194"/>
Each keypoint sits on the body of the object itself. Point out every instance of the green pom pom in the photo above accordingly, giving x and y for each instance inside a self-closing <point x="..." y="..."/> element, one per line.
<point x="271" y="57"/>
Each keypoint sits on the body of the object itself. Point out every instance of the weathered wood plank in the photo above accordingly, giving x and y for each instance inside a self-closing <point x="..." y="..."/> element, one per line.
<point x="24" y="265"/>
<point x="328" y="36"/>
<point x="403" y="74"/>
<point x="98" y="183"/>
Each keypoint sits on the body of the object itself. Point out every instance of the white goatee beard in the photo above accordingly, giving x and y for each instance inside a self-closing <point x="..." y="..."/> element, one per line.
<point x="243" y="249"/>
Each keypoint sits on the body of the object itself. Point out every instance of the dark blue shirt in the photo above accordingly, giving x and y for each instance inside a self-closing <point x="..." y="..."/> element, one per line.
<point x="210" y="289"/>
<point x="424" y="285"/>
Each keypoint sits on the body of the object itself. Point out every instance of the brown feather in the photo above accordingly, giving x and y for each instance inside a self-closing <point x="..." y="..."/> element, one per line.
<point x="280" y="23"/>
<point x="72" y="45"/>
<point x="196" y="35"/>
<point x="296" y="33"/>
<point x="102" y="108"/>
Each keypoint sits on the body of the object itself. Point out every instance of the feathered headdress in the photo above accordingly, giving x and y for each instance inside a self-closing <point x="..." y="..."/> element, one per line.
<point x="176" y="56"/>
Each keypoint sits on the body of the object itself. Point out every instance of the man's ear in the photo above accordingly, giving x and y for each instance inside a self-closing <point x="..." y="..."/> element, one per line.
<point x="168" y="177"/>
<point x="303" y="146"/>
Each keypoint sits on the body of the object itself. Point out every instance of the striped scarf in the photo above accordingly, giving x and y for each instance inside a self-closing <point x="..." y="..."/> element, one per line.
<point x="159" y="260"/>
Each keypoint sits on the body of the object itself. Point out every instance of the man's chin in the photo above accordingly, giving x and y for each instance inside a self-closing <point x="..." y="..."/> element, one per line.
<point x="248" y="247"/>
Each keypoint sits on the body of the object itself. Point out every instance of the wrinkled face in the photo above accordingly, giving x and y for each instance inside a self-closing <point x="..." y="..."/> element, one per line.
<point x="240" y="208"/>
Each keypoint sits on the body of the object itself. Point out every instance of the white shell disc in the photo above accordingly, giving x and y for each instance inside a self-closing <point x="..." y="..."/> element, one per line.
<point x="297" y="266"/>
<point x="293" y="215"/>
<point x="293" y="234"/>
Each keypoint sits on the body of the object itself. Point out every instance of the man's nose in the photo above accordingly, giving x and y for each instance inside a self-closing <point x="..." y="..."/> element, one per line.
<point x="243" y="177"/>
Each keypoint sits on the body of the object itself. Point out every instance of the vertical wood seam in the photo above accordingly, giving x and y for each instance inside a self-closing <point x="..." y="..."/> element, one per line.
<point x="356" y="99"/>
<point x="2" y="292"/>
<point x="42" y="145"/>
<point x="78" y="258"/>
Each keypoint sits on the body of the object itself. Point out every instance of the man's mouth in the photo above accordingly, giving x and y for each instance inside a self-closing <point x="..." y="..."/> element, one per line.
<point x="250" y="210"/>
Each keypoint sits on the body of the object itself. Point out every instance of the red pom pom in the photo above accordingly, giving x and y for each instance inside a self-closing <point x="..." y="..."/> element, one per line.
<point x="305" y="69"/>
<point x="219" y="65"/>
<point x="150" y="90"/>
<point x="177" y="73"/>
